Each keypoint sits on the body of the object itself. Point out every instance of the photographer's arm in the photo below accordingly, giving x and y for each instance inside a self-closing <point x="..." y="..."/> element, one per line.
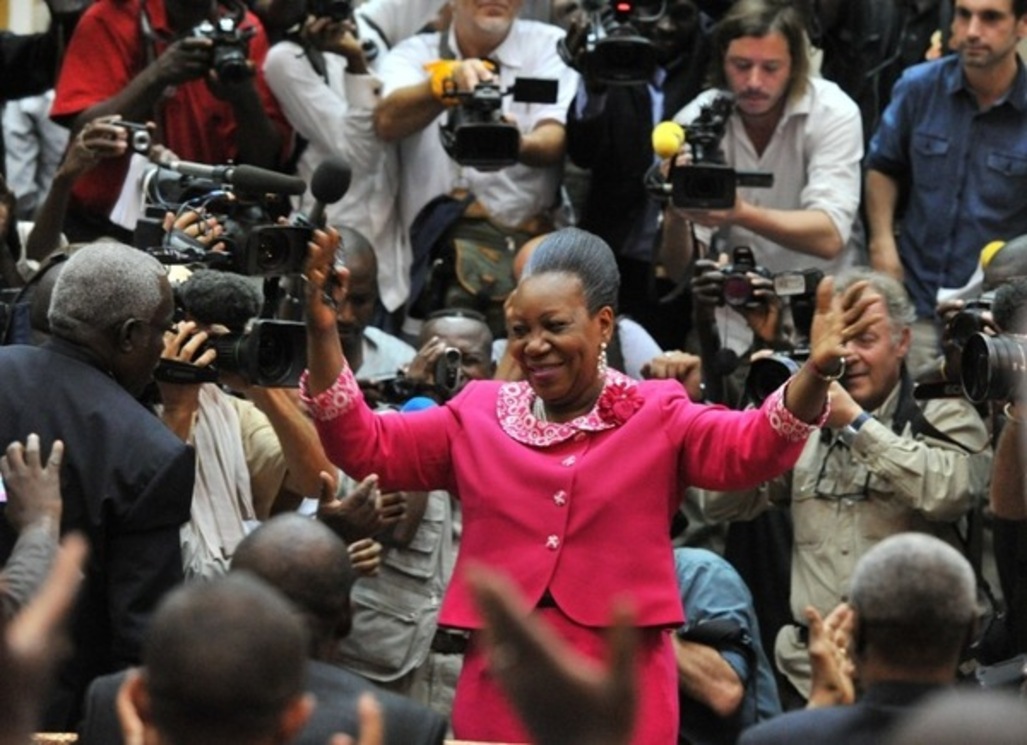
<point x="1008" y="491"/>
<point x="301" y="448"/>
<point x="544" y="146"/>
<point x="881" y="198"/>
<point x="677" y="246"/>
<point x="180" y="402"/>
<point x="406" y="111"/>
<point x="704" y="675"/>
<point x="810" y="232"/>
<point x="257" y="139"/>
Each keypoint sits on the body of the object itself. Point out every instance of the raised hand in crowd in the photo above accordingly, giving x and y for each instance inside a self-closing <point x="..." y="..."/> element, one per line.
<point x="676" y="365"/>
<point x="562" y="697"/>
<point x="832" y="682"/>
<point x="33" y="488"/>
<point x="33" y="642"/>
<point x="336" y="37"/>
<point x="362" y="513"/>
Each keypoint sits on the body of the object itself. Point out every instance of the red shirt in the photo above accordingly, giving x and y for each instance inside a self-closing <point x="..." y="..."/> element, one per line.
<point x="107" y="51"/>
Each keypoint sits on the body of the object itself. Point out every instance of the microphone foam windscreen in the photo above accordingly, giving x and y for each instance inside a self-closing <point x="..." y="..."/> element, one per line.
<point x="668" y="137"/>
<point x="331" y="180"/>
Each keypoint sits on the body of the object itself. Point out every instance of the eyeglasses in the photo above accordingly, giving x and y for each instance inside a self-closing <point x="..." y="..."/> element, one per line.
<point x="827" y="486"/>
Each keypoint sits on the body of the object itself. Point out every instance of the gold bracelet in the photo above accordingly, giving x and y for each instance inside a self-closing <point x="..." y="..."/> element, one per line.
<point x="824" y="376"/>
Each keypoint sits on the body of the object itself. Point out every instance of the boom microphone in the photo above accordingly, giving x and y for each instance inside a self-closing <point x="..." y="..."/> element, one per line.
<point x="328" y="185"/>
<point x="668" y="137"/>
<point x="243" y="177"/>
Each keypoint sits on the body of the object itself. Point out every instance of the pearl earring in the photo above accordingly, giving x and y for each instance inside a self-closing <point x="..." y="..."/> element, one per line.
<point x="601" y="365"/>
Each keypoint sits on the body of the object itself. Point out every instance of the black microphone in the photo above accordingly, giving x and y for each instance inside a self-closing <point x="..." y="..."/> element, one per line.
<point x="244" y="177"/>
<point x="328" y="185"/>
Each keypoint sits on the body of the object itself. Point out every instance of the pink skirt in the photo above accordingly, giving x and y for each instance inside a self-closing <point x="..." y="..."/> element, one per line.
<point x="481" y="712"/>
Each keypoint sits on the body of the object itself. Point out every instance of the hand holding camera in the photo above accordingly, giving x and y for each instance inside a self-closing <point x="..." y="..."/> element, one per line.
<point x="327" y="283"/>
<point x="184" y="60"/>
<point x="436" y="368"/>
<point x="336" y="36"/>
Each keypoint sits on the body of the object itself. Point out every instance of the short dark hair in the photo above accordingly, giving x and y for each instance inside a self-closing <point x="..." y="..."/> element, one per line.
<point x="308" y="563"/>
<point x="584" y="255"/>
<point x="222" y="660"/>
<point x="212" y="297"/>
<point x="759" y="18"/>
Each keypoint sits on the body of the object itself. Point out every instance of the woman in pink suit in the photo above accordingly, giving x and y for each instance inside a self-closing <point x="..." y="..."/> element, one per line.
<point x="568" y="479"/>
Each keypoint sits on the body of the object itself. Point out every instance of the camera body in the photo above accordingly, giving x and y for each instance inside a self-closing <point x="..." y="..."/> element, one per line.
<point x="449" y="374"/>
<point x="615" y="52"/>
<point x="337" y="10"/>
<point x="138" y="136"/>
<point x="968" y="321"/>
<point x="737" y="290"/>
<point x="475" y="133"/>
<point x="708" y="183"/>
<point x="230" y="53"/>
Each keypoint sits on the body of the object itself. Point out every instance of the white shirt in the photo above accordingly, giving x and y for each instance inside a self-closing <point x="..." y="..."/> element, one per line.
<point x="514" y="194"/>
<point x="337" y="118"/>
<point x="815" y="156"/>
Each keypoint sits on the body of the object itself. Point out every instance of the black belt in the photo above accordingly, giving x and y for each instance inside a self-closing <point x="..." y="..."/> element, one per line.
<point x="449" y="642"/>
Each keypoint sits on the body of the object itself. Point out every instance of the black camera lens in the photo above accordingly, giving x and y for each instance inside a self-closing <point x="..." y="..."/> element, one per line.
<point x="230" y="63"/>
<point x="272" y="252"/>
<point x="767" y="374"/>
<point x="994" y="368"/>
<point x="964" y="325"/>
<point x="737" y="290"/>
<point x="275" y="357"/>
<point x="141" y="141"/>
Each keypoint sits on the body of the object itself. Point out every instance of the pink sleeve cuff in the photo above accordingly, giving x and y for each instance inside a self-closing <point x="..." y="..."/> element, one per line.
<point x="330" y="403"/>
<point x="785" y="423"/>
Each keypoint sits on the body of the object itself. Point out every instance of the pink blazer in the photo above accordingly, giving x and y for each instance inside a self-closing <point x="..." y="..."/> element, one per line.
<point x="582" y="509"/>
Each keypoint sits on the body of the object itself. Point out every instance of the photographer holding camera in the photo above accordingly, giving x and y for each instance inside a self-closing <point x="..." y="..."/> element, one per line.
<point x="480" y="58"/>
<point x="193" y="68"/>
<point x="880" y="466"/>
<point x="802" y="129"/>
<point x="249" y="451"/>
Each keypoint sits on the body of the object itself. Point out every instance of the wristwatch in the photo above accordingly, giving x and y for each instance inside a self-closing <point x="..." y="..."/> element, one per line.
<point x="847" y="434"/>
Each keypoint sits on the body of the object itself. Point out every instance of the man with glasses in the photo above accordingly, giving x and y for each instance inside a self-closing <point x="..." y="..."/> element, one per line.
<point x="882" y="465"/>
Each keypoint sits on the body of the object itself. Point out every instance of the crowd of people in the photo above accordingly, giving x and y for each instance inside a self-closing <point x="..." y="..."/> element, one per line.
<point x="514" y="371"/>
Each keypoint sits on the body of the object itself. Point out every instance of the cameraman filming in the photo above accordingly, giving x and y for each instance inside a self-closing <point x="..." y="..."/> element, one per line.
<point x="802" y="129"/>
<point x="249" y="451"/>
<point x="516" y="201"/>
<point x="192" y="68"/>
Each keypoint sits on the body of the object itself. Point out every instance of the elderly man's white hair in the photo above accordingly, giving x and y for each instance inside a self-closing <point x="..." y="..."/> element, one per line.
<point x="101" y="286"/>
<point x="915" y="596"/>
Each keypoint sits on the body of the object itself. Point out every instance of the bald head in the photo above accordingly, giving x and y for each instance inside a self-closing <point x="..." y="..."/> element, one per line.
<point x="309" y="564"/>
<point x="1007" y="264"/>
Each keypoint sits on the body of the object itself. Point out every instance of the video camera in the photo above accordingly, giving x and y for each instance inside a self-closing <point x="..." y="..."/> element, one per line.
<point x="269" y="353"/>
<point x="337" y="10"/>
<point x="708" y="183"/>
<point x="475" y="133"/>
<point x="230" y="53"/>
<point x="615" y="53"/>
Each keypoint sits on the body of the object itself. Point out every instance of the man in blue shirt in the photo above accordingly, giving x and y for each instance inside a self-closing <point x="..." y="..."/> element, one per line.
<point x="953" y="145"/>
<point x="726" y="682"/>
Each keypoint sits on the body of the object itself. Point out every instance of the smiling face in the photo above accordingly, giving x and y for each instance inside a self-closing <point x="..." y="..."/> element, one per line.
<point x="556" y="342"/>
<point x="758" y="70"/>
<point x="985" y="33"/>
<point x="874" y="363"/>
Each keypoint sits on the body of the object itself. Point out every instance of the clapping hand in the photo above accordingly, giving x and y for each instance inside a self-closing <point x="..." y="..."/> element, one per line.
<point x="832" y="669"/>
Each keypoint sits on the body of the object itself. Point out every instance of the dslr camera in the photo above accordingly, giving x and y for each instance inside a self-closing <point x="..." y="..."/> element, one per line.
<point x="994" y="368"/>
<point x="968" y="321"/>
<point x="615" y="53"/>
<point x="708" y="183"/>
<point x="737" y="289"/>
<point x="475" y="133"/>
<point x="230" y="53"/>
<point x="269" y="353"/>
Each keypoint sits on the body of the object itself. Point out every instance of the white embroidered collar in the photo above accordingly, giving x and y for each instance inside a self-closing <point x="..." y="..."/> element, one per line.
<point x="513" y="407"/>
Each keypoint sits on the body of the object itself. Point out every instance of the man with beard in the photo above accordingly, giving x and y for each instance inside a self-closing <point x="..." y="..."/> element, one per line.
<point x="951" y="147"/>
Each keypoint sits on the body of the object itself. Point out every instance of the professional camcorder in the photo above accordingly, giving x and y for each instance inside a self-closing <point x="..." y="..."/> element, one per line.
<point x="269" y="353"/>
<point x="708" y="183"/>
<point x="337" y="10"/>
<point x="615" y="53"/>
<point x="475" y="133"/>
<point x="229" y="56"/>
<point x="994" y="368"/>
